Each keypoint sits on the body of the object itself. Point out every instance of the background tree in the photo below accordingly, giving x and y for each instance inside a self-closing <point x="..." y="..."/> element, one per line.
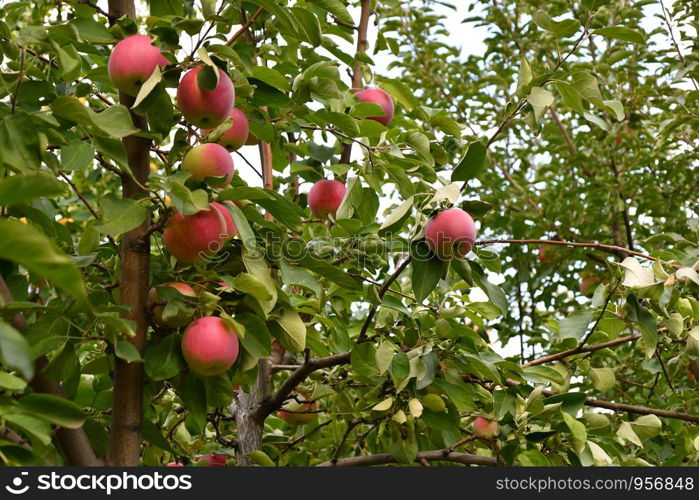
<point x="569" y="334"/>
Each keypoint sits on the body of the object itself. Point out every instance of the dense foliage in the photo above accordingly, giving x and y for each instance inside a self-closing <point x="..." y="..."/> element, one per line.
<point x="574" y="323"/>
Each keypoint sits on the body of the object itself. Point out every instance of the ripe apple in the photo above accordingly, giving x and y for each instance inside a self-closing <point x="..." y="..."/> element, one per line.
<point x="451" y="233"/>
<point x="213" y="460"/>
<point x="156" y="306"/>
<point x="191" y="237"/>
<point x="205" y="108"/>
<point x="210" y="346"/>
<point x="231" y="228"/>
<point x="325" y="197"/>
<point x="383" y="99"/>
<point x="288" y="411"/>
<point x="482" y="427"/>
<point x="236" y="136"/>
<point x="132" y="61"/>
<point x="209" y="160"/>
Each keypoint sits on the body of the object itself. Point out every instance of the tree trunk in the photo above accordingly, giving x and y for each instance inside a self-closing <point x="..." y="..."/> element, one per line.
<point x="246" y="407"/>
<point x="125" y="433"/>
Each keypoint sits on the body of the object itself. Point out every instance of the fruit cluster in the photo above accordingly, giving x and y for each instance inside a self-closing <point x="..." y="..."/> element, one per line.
<point x="206" y="99"/>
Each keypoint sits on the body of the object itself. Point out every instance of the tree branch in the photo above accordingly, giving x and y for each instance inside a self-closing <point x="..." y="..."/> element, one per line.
<point x="579" y="350"/>
<point x="599" y="246"/>
<point x="245" y="26"/>
<point x="362" y="44"/>
<point x="434" y="455"/>
<point x="274" y="402"/>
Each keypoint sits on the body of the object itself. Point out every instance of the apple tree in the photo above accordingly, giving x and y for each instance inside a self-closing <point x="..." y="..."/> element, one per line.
<point x="322" y="232"/>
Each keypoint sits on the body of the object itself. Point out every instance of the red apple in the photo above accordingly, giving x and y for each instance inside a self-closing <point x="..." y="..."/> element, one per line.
<point x="482" y="427"/>
<point x="156" y="305"/>
<point x="289" y="414"/>
<point x="236" y="136"/>
<point x="451" y="233"/>
<point x="191" y="237"/>
<point x="231" y="228"/>
<point x="132" y="61"/>
<point x="383" y="99"/>
<point x="214" y="460"/>
<point x="325" y="197"/>
<point x="209" y="160"/>
<point x="205" y="108"/>
<point x="210" y="346"/>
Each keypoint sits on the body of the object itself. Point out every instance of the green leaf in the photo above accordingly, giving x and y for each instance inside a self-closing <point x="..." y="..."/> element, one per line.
<point x="193" y="394"/>
<point x="272" y="77"/>
<point x="524" y="77"/>
<point x="575" y="326"/>
<point x="564" y="28"/>
<point x="127" y="351"/>
<point x="336" y="8"/>
<point x="427" y="271"/>
<point x="54" y="409"/>
<point x="154" y="435"/>
<point x="35" y="427"/>
<point x="120" y="215"/>
<point x="643" y="318"/>
<point x="587" y="87"/>
<point x="77" y="156"/>
<point x="164" y="360"/>
<point x="540" y="99"/>
<point x="188" y="202"/>
<point x="627" y="433"/>
<point x="8" y="381"/>
<point x="248" y="283"/>
<point x="257" y="339"/>
<point x="621" y="33"/>
<point x="332" y="273"/>
<point x="603" y="379"/>
<point x="259" y="457"/>
<point x="154" y="79"/>
<point x="15" y="351"/>
<point x="402" y="94"/>
<point x="494" y="292"/>
<point x="577" y="429"/>
<point x="247" y="236"/>
<point x="256" y="265"/>
<point x="384" y="356"/>
<point x="403" y="447"/>
<point x="298" y="276"/>
<point x="647" y="426"/>
<point x="24" y="188"/>
<point x="30" y="248"/>
<point x="115" y="121"/>
<point x="395" y="220"/>
<point x="295" y="329"/>
<point x="363" y="361"/>
<point x="472" y="163"/>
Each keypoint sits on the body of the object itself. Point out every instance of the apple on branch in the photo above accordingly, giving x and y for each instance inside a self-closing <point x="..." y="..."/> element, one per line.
<point x="210" y="346"/>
